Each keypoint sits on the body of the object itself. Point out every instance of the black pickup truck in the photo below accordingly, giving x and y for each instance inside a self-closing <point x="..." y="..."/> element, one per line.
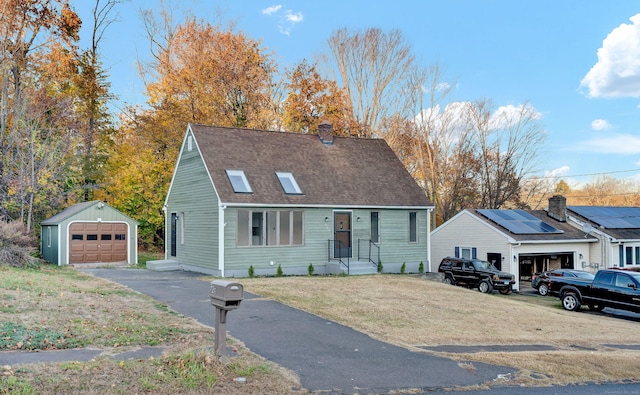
<point x="613" y="288"/>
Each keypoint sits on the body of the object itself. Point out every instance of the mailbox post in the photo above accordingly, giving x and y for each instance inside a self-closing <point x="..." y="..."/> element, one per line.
<point x="225" y="296"/>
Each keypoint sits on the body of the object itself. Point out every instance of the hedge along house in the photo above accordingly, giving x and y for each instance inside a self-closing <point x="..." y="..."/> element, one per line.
<point x="241" y="198"/>
<point x="89" y="232"/>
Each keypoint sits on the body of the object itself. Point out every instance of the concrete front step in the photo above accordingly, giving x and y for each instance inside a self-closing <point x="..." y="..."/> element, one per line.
<point x="164" y="265"/>
<point x="356" y="268"/>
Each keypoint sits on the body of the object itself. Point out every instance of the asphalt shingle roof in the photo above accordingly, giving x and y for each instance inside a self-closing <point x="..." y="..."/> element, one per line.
<point x="349" y="172"/>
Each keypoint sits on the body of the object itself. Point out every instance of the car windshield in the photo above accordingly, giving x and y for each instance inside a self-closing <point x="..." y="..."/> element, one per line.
<point x="483" y="265"/>
<point x="586" y="275"/>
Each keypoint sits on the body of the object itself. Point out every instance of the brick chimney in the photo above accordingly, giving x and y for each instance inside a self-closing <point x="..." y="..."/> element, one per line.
<point x="325" y="133"/>
<point x="558" y="208"/>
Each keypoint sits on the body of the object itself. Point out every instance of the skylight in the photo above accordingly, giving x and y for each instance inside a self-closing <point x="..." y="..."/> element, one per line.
<point x="289" y="183"/>
<point x="239" y="181"/>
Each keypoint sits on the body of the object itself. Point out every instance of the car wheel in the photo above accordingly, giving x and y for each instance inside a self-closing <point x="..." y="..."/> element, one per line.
<point x="543" y="289"/>
<point x="485" y="287"/>
<point x="596" y="307"/>
<point x="570" y="301"/>
<point x="447" y="280"/>
<point x="505" y="291"/>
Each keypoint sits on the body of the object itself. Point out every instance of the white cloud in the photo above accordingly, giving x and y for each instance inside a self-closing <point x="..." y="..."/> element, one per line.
<point x="625" y="144"/>
<point x="294" y="18"/>
<point x="287" y="19"/>
<point x="272" y="9"/>
<point x="452" y="116"/>
<point x="510" y="115"/>
<point x="617" y="72"/>
<point x="600" y="124"/>
<point x="559" y="172"/>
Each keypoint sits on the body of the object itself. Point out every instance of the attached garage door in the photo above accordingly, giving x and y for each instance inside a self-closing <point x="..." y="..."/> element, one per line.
<point x="97" y="242"/>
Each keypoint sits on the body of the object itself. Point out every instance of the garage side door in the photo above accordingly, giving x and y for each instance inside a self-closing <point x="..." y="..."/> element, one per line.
<point x="97" y="242"/>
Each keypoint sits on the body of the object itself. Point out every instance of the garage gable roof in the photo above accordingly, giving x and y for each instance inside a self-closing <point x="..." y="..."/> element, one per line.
<point x="339" y="171"/>
<point x="76" y="209"/>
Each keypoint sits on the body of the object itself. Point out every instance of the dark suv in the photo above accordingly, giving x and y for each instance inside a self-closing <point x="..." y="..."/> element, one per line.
<point x="474" y="273"/>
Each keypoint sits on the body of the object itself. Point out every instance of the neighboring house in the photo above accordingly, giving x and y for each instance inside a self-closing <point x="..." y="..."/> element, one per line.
<point x="241" y="198"/>
<point x="89" y="232"/>
<point x="522" y="242"/>
<point x="617" y="230"/>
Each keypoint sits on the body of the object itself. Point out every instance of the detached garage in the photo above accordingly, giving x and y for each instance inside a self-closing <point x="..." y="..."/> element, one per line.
<point x="89" y="232"/>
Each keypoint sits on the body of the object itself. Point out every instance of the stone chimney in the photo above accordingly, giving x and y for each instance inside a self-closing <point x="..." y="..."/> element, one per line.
<point x="325" y="133"/>
<point x="558" y="208"/>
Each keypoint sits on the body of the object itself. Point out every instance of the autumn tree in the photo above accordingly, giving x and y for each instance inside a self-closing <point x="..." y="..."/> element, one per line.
<point x="91" y="96"/>
<point x="370" y="65"/>
<point x="210" y="75"/>
<point x="311" y="99"/>
<point x="33" y="106"/>
<point x="199" y="73"/>
<point x="507" y="143"/>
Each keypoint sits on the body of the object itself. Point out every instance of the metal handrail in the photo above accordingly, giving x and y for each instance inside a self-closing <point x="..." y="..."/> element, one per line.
<point x="370" y="245"/>
<point x="340" y="246"/>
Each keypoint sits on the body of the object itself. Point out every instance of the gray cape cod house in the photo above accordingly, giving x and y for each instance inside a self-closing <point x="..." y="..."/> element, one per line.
<point x="242" y="198"/>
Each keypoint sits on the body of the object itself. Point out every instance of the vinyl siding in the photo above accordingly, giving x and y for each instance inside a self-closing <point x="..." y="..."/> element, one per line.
<point x="467" y="231"/>
<point x="316" y="232"/>
<point x="50" y="253"/>
<point x="394" y="247"/>
<point x="194" y="200"/>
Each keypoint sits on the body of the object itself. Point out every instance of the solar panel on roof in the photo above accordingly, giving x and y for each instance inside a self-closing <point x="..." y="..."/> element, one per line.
<point x="610" y="217"/>
<point x="519" y="222"/>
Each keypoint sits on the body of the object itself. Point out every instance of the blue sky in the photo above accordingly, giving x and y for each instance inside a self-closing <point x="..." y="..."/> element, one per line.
<point x="576" y="62"/>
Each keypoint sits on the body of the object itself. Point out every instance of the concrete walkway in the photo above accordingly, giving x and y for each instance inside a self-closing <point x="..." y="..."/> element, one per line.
<point x="327" y="356"/>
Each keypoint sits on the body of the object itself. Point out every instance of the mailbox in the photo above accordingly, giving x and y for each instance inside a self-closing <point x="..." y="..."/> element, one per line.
<point x="226" y="295"/>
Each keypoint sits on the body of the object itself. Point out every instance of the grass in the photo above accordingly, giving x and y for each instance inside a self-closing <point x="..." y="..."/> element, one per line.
<point x="405" y="310"/>
<point x="52" y="308"/>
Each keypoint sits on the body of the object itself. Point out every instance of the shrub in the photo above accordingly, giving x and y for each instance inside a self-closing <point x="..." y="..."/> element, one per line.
<point x="252" y="272"/>
<point x="279" y="272"/>
<point x="310" y="269"/>
<point x="17" y="248"/>
<point x="380" y="267"/>
<point x="403" y="268"/>
<point x="421" y="268"/>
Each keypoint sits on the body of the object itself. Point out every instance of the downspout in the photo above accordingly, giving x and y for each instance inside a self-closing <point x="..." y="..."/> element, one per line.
<point x="429" y="210"/>
<point x="166" y="230"/>
<point x="60" y="243"/>
<point x="515" y="263"/>
<point x="221" y="223"/>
